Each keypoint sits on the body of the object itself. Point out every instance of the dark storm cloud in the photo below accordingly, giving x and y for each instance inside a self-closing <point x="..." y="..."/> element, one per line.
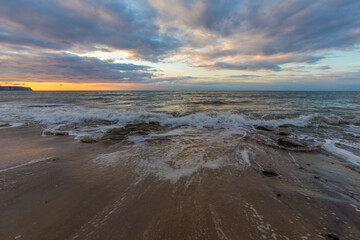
<point x="76" y="68"/>
<point x="59" y="24"/>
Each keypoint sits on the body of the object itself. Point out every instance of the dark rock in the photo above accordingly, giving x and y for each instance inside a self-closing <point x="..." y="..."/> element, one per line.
<point x="286" y="125"/>
<point x="284" y="133"/>
<point x="332" y="236"/>
<point x="4" y="124"/>
<point x="308" y="164"/>
<point x="264" y="128"/>
<point x="316" y="177"/>
<point x="58" y="133"/>
<point x="116" y="134"/>
<point x="88" y="139"/>
<point x="279" y="195"/>
<point x="270" y="173"/>
<point x="98" y="122"/>
<point x="289" y="142"/>
<point x="132" y="129"/>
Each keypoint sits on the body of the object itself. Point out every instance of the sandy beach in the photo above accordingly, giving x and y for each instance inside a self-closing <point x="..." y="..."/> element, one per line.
<point x="53" y="187"/>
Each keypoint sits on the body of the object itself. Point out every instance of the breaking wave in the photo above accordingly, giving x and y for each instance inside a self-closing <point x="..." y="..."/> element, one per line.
<point x="52" y="115"/>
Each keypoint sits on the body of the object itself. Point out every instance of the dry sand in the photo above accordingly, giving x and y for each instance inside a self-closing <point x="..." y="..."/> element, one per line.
<point x="70" y="195"/>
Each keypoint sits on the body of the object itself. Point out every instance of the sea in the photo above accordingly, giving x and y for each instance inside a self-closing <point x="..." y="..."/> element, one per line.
<point x="315" y="121"/>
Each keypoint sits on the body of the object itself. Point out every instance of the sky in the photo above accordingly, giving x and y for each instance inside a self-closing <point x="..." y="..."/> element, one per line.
<point x="180" y="44"/>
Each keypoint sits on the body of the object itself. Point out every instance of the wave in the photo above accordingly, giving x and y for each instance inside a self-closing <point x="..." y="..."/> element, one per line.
<point x="49" y="115"/>
<point x="330" y="146"/>
<point x="69" y="115"/>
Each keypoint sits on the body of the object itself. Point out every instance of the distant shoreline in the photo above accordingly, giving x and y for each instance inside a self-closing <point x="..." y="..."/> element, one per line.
<point x="15" y="88"/>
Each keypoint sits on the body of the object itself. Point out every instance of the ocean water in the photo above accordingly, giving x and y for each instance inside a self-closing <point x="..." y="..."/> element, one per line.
<point x="323" y="121"/>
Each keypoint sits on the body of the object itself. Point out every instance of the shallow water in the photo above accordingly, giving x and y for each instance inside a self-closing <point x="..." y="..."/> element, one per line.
<point x="320" y="119"/>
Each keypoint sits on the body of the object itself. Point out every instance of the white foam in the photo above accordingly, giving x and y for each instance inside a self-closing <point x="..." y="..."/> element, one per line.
<point x="26" y="164"/>
<point x="245" y="156"/>
<point x="355" y="207"/>
<point x="177" y="158"/>
<point x="330" y="147"/>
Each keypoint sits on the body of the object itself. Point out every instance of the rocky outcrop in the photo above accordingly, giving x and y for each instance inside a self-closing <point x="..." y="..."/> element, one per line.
<point x="290" y="143"/>
<point x="121" y="133"/>
<point x="98" y="122"/>
<point x="264" y="128"/>
<point x="88" y="139"/>
<point x="57" y="133"/>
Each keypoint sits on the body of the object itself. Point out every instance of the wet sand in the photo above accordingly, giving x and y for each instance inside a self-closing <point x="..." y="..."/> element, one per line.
<point x="78" y="191"/>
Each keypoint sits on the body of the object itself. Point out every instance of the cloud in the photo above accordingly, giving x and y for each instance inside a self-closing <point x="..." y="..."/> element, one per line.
<point x="243" y="76"/>
<point x="37" y="36"/>
<point x="228" y="32"/>
<point x="70" y="67"/>
<point x="55" y="24"/>
<point x="267" y="63"/>
<point x="323" y="68"/>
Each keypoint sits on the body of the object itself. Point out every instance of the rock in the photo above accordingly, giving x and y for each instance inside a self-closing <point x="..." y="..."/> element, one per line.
<point x="132" y="129"/>
<point x="4" y="124"/>
<point x="116" y="134"/>
<point x="332" y="236"/>
<point x="58" y="133"/>
<point x="286" y="125"/>
<point x="270" y="173"/>
<point x="279" y="195"/>
<point x="88" y="139"/>
<point x="289" y="142"/>
<point x="264" y="128"/>
<point x="284" y="133"/>
<point x="98" y="122"/>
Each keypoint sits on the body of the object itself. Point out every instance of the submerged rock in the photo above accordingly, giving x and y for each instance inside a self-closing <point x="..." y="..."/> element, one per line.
<point x="57" y="133"/>
<point x="270" y="173"/>
<point x="284" y="133"/>
<point x="290" y="142"/>
<point x="264" y="128"/>
<point x="98" y="122"/>
<point x="131" y="129"/>
<point x="286" y="125"/>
